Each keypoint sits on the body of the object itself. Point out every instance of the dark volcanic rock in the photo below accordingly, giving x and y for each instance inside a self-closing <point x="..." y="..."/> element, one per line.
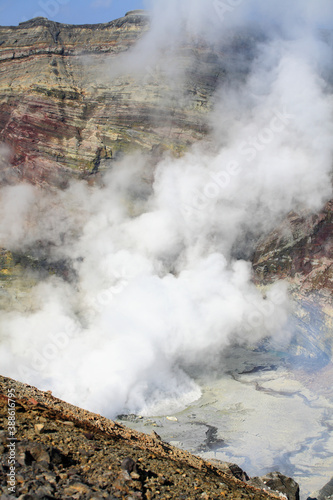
<point x="117" y="463"/>
<point x="326" y="493"/>
<point x="277" y="482"/>
<point x="230" y="468"/>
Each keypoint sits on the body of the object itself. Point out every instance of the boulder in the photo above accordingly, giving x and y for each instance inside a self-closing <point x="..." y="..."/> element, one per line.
<point x="275" y="481"/>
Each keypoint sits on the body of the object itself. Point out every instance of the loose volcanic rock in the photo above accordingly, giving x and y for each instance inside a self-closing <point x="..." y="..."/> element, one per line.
<point x="277" y="482"/>
<point x="98" y="458"/>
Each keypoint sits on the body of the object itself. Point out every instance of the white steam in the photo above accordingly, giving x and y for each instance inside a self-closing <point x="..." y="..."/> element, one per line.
<point x="157" y="287"/>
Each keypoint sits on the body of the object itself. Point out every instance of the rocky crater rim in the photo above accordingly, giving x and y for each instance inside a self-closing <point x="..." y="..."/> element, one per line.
<point x="137" y="12"/>
<point x="44" y="21"/>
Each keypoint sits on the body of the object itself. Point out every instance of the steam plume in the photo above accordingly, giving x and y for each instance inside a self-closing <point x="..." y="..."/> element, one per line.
<point x="160" y="277"/>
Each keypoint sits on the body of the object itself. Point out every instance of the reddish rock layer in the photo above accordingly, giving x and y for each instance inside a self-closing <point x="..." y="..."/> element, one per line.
<point x="301" y="249"/>
<point x="64" y="105"/>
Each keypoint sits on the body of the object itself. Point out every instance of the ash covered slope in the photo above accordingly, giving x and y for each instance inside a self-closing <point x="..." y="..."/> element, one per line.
<point x="67" y="100"/>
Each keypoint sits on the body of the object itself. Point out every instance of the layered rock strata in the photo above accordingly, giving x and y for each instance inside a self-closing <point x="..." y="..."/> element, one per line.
<point x="67" y="101"/>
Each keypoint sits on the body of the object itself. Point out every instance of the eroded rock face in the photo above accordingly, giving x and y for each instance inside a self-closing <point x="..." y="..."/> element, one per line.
<point x="66" y="102"/>
<point x="301" y="249"/>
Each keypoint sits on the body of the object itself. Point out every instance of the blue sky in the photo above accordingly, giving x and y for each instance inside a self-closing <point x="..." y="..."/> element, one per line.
<point x="13" y="12"/>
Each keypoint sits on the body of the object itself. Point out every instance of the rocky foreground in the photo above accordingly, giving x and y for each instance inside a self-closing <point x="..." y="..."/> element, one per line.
<point x="62" y="451"/>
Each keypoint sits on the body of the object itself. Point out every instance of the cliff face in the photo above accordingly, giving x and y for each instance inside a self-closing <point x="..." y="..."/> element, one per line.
<point x="300" y="249"/>
<point x="63" y="108"/>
